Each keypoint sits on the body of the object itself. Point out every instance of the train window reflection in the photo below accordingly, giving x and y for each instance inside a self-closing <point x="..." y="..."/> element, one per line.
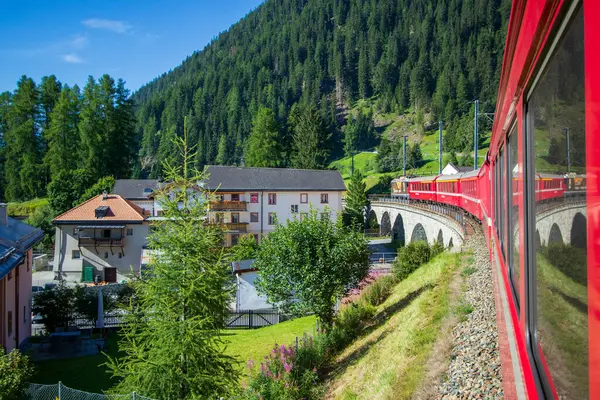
<point x="556" y="119"/>
<point x="514" y="193"/>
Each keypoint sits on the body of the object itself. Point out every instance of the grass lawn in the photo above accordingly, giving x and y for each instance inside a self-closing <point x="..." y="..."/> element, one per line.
<point x="83" y="373"/>
<point x="256" y="343"/>
<point x="88" y="373"/>
<point x="390" y="362"/>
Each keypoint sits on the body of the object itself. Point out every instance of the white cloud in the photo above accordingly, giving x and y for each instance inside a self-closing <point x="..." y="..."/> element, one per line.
<point x="107" y="24"/>
<point x="72" y="58"/>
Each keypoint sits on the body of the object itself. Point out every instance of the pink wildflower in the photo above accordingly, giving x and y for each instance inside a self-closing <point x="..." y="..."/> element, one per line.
<point x="250" y="364"/>
<point x="287" y="367"/>
<point x="315" y="370"/>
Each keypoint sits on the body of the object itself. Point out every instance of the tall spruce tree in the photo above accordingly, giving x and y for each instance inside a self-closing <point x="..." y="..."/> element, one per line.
<point x="356" y="202"/>
<point x="63" y="134"/>
<point x="311" y="140"/>
<point x="172" y="343"/>
<point x="263" y="148"/>
<point x="23" y="155"/>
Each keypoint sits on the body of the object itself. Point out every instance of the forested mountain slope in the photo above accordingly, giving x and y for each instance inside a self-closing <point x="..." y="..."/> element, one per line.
<point x="427" y="56"/>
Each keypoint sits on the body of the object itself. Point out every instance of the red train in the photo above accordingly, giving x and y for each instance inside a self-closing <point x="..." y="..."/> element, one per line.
<point x="544" y="156"/>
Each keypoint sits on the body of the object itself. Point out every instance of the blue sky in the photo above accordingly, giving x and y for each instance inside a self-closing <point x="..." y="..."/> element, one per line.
<point x="134" y="40"/>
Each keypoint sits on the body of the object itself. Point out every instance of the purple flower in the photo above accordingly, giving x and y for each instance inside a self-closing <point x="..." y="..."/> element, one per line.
<point x="315" y="370"/>
<point x="250" y="364"/>
<point x="262" y="368"/>
<point x="287" y="367"/>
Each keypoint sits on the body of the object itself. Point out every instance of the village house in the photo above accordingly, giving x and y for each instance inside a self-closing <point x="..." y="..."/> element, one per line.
<point x="253" y="200"/>
<point x="102" y="237"/>
<point x="16" y="257"/>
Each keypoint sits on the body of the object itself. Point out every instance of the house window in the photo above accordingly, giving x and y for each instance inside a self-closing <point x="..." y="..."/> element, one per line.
<point x="9" y="323"/>
<point x="324" y="198"/>
<point x="235" y="197"/>
<point x="235" y="218"/>
<point x="254" y="217"/>
<point x="129" y="231"/>
<point x="106" y="254"/>
<point x="76" y="254"/>
<point x="253" y="197"/>
<point x="234" y="239"/>
<point x="303" y="198"/>
<point x="106" y="233"/>
<point x="294" y="208"/>
<point x="272" y="218"/>
<point x="272" y="198"/>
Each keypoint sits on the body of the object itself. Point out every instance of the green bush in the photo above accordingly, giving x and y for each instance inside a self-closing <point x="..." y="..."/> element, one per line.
<point x="568" y="259"/>
<point x="410" y="258"/>
<point x="437" y="248"/>
<point x="15" y="371"/>
<point x="377" y="292"/>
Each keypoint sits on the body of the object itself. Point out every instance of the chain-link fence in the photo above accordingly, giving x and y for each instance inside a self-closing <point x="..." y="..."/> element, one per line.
<point x="61" y="392"/>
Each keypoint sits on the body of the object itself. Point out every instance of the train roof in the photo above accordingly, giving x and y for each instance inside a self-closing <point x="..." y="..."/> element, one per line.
<point x="449" y="178"/>
<point x="431" y="178"/>
<point x="471" y="174"/>
<point x="400" y="179"/>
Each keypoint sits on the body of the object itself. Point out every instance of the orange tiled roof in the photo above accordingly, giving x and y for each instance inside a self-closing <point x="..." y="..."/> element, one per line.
<point x="119" y="210"/>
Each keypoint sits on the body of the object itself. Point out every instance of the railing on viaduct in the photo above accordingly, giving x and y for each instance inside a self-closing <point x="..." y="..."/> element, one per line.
<point x="445" y="210"/>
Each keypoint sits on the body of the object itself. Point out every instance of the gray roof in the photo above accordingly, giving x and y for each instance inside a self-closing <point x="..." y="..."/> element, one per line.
<point x="134" y="188"/>
<point x="15" y="239"/>
<point x="224" y="178"/>
<point x="460" y="169"/>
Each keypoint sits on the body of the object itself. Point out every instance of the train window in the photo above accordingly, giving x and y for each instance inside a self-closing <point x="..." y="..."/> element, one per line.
<point x="501" y="197"/>
<point x="514" y="174"/>
<point x="557" y="226"/>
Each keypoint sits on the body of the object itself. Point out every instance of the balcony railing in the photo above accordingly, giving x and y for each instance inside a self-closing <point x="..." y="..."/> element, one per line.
<point x="231" y="226"/>
<point x="101" y="242"/>
<point x="228" y="206"/>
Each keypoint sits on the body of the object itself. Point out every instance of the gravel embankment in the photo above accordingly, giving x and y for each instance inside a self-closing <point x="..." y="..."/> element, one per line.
<point x="474" y="371"/>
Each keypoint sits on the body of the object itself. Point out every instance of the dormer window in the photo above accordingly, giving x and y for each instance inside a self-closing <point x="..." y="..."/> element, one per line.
<point x="148" y="191"/>
<point x="102" y="211"/>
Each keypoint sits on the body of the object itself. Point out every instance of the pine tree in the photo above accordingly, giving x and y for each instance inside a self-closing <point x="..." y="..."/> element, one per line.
<point x="23" y="158"/>
<point x="263" y="148"/>
<point x="311" y="141"/>
<point x="356" y="202"/>
<point x="91" y="129"/>
<point x="63" y="134"/>
<point x="172" y="342"/>
<point x="364" y="85"/>
<point x="222" y="153"/>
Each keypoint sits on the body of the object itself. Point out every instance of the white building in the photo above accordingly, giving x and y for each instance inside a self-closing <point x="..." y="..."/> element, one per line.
<point x="451" y="169"/>
<point x="103" y="236"/>
<point x="252" y="200"/>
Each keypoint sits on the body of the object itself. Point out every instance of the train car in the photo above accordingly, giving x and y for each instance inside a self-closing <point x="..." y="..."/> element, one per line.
<point x="422" y="188"/>
<point x="469" y="190"/>
<point x="549" y="186"/>
<point x="399" y="187"/>
<point x="448" y="189"/>
<point x="546" y="265"/>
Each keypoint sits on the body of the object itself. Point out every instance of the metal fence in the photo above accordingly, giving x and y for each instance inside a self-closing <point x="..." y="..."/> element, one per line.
<point x="61" y="392"/>
<point x="254" y="319"/>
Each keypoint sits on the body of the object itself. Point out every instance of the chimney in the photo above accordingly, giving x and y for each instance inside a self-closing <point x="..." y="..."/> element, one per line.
<point x="3" y="215"/>
<point x="104" y="195"/>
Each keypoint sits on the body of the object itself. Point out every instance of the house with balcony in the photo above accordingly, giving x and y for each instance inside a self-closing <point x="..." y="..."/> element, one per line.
<point x="253" y="200"/>
<point x="102" y="237"/>
<point x="17" y="240"/>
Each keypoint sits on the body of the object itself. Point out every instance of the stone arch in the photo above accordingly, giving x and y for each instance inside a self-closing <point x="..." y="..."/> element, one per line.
<point x="440" y="237"/>
<point x="398" y="233"/>
<point x="579" y="231"/>
<point x="419" y="234"/>
<point x="385" y="228"/>
<point x="538" y="239"/>
<point x="555" y="235"/>
<point x="372" y="221"/>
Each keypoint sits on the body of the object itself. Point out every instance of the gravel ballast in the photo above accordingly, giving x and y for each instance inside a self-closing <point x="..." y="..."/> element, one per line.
<point x="475" y="371"/>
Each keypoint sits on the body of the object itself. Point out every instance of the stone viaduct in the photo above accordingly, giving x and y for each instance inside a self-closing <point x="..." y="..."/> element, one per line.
<point x="407" y="223"/>
<point x="565" y="224"/>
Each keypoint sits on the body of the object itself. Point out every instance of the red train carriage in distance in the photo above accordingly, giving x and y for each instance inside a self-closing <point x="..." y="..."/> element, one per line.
<point x="538" y="198"/>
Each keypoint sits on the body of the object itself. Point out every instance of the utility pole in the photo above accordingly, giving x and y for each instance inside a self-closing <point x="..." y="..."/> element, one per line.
<point x="476" y="136"/>
<point x="404" y="158"/>
<point x="440" y="156"/>
<point x="568" y="150"/>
